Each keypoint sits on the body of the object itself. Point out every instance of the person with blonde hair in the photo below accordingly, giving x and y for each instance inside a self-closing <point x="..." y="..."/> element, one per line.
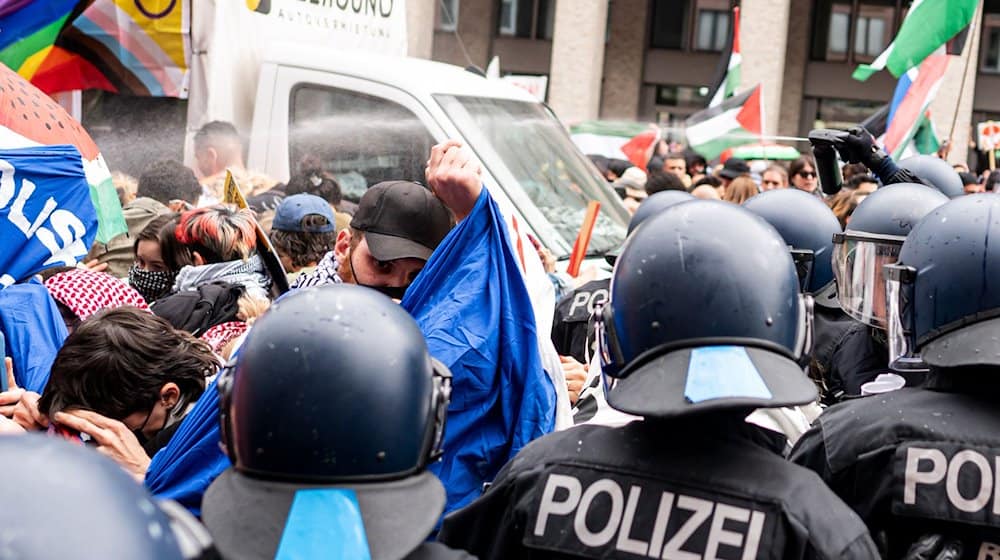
<point x="774" y="177"/>
<point x="740" y="190"/>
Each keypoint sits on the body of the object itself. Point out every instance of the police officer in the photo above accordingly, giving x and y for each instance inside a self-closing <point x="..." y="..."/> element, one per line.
<point x="872" y="239"/>
<point x="859" y="146"/>
<point x="64" y="501"/>
<point x="921" y="465"/>
<point x="331" y="413"/>
<point x="808" y="225"/>
<point x="572" y="334"/>
<point x="572" y="314"/>
<point x="704" y="324"/>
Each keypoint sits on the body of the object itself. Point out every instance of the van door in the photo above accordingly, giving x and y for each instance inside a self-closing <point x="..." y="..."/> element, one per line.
<point x="360" y="131"/>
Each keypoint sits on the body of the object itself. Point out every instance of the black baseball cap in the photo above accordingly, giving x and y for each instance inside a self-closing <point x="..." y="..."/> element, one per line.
<point x="733" y="168"/>
<point x="401" y="219"/>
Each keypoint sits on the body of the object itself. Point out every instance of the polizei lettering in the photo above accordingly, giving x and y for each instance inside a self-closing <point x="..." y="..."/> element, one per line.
<point x="599" y="514"/>
<point x="948" y="481"/>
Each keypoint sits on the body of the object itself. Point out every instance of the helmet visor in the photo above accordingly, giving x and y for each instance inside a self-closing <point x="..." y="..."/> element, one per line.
<point x="899" y="303"/>
<point x="857" y="264"/>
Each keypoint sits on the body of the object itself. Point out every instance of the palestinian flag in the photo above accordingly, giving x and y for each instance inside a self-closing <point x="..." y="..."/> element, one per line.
<point x="738" y="120"/>
<point x="727" y="79"/>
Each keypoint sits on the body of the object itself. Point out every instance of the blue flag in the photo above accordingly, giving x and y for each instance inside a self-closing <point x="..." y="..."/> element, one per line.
<point x="192" y="459"/>
<point x="473" y="308"/>
<point x="47" y="217"/>
<point x="34" y="332"/>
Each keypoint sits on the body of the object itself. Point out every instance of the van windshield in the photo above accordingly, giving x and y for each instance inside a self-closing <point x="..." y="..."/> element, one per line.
<point x="522" y="144"/>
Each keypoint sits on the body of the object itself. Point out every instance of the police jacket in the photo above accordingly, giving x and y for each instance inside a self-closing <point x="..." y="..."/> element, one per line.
<point x="656" y="489"/>
<point x="572" y="317"/>
<point x="830" y="324"/>
<point x="916" y="461"/>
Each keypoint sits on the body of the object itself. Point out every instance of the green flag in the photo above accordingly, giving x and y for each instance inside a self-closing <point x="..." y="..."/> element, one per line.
<point x="928" y="25"/>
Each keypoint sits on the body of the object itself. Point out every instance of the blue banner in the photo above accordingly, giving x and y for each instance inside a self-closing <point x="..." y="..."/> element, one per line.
<point x="46" y="214"/>
<point x="473" y="308"/>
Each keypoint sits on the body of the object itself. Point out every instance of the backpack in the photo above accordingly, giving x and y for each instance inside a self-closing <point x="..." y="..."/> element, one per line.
<point x="200" y="309"/>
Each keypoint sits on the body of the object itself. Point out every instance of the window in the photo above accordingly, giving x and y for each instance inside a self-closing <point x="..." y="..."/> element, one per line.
<point x="854" y="31"/>
<point x="448" y="15"/>
<point x="669" y="24"/>
<point x="698" y="25"/>
<point x="990" y="57"/>
<point x="527" y="19"/>
<point x="843" y="113"/>
<point x="359" y="138"/>
<point x="712" y="30"/>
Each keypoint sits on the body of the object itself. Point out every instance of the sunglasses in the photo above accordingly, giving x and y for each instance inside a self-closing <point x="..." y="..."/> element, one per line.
<point x="806" y="174"/>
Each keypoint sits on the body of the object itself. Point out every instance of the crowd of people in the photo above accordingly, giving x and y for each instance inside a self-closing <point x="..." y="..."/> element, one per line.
<point x="771" y="370"/>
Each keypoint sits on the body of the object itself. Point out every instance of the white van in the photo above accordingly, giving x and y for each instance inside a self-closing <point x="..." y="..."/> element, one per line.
<point x="369" y="118"/>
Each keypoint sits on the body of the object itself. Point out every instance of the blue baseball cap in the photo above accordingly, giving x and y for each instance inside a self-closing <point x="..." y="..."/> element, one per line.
<point x="288" y="216"/>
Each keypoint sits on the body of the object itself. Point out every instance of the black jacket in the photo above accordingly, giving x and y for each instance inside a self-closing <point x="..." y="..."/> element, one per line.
<point x="912" y="461"/>
<point x="647" y="489"/>
<point x="570" y="325"/>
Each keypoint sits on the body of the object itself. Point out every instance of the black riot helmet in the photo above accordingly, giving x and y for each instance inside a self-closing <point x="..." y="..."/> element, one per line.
<point x="70" y="502"/>
<point x="872" y="239"/>
<point x="703" y="317"/>
<point x="943" y="298"/>
<point x="807" y="225"/>
<point x="334" y="393"/>
<point x="653" y="205"/>
<point x="937" y="173"/>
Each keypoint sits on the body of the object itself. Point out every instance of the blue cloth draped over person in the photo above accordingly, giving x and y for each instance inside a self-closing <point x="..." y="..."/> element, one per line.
<point x="192" y="459"/>
<point x="34" y="332"/>
<point x="473" y="308"/>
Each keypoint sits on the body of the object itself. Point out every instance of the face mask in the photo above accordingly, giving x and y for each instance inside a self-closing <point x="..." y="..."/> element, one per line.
<point x="150" y="285"/>
<point x="394" y="292"/>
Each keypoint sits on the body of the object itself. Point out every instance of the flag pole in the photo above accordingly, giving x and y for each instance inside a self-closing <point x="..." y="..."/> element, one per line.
<point x="970" y="38"/>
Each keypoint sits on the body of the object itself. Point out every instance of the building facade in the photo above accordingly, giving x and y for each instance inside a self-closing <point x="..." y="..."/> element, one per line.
<point x="654" y="60"/>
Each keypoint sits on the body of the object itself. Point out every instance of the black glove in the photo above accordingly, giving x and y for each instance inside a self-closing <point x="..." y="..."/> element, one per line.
<point x="934" y="547"/>
<point x="859" y="146"/>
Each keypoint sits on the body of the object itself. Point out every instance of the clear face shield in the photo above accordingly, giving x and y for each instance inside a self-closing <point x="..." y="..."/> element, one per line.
<point x="899" y="293"/>
<point x="858" y="260"/>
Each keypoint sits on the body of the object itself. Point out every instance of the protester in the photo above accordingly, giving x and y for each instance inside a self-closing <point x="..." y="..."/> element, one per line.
<point x="397" y="226"/>
<point x="149" y="274"/>
<point x="163" y="184"/>
<point x="81" y="293"/>
<point x="803" y="175"/>
<point x="731" y="169"/>
<point x="217" y="147"/>
<point x="914" y="463"/>
<point x="662" y="181"/>
<point x="302" y="232"/>
<point x="126" y="379"/>
<point x="861" y="184"/>
<point x="843" y="205"/>
<point x="631" y="187"/>
<point x="774" y="177"/>
<point x="220" y="278"/>
<point x="849" y="170"/>
<point x="740" y="190"/>
<point x="378" y="466"/>
<point x="971" y="183"/>
<point x="676" y="163"/>
<point x="692" y="376"/>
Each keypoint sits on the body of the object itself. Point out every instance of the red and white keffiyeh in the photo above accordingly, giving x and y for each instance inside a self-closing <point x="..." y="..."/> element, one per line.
<point x="86" y="292"/>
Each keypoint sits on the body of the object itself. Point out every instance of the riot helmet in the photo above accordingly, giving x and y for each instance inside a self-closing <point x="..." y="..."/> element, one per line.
<point x="653" y="205"/>
<point x="872" y="239"/>
<point x="807" y="226"/>
<point x="936" y="173"/>
<point x="71" y="502"/>
<point x="304" y="418"/>
<point x="703" y="317"/>
<point x="942" y="296"/>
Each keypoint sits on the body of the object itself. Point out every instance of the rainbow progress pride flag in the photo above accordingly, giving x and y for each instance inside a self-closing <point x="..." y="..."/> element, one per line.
<point x="138" y="47"/>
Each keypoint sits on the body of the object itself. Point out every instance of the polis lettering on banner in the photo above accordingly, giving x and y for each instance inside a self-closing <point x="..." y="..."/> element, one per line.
<point x="948" y="481"/>
<point x="604" y="514"/>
